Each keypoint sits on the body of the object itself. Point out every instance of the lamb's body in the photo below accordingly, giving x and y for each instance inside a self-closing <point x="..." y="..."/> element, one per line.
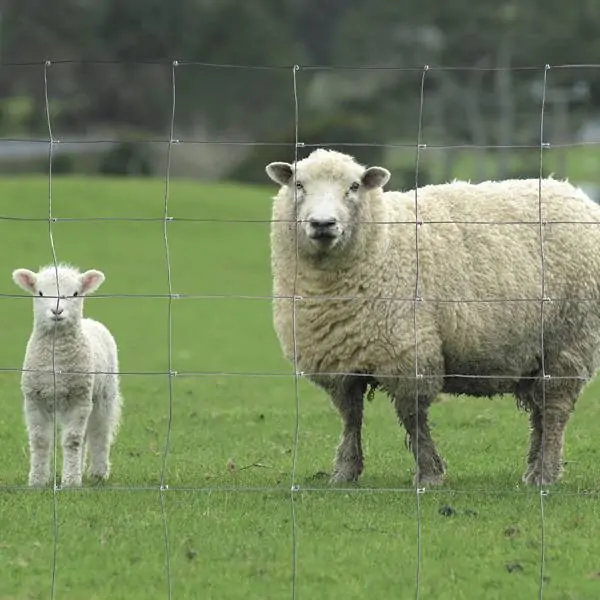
<point x="492" y="338"/>
<point x="71" y="371"/>
<point x="93" y="347"/>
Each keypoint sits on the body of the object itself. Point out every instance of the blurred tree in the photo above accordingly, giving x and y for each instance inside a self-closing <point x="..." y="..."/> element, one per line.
<point x="460" y="105"/>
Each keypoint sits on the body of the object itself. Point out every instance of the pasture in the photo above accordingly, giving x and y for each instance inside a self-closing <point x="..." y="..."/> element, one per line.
<point x="226" y="523"/>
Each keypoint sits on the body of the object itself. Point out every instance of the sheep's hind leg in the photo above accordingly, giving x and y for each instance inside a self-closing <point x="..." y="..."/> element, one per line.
<point x="550" y="411"/>
<point x="73" y="437"/>
<point x="430" y="467"/>
<point x="348" y="397"/>
<point x="545" y="463"/>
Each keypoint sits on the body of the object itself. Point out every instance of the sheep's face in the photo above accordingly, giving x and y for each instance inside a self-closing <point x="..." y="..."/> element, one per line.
<point x="328" y="196"/>
<point x="58" y="301"/>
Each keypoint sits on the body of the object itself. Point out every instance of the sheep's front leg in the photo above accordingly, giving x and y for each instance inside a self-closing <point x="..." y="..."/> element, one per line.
<point x="348" y="398"/>
<point x="73" y="439"/>
<point x="430" y="468"/>
<point x="40" y="432"/>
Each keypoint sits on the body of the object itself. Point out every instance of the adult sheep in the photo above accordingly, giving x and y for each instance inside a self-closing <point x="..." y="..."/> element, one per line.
<point x="347" y="251"/>
<point x="71" y="370"/>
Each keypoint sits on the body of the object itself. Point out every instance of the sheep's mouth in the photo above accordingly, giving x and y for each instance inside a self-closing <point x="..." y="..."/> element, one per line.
<point x="324" y="240"/>
<point x="326" y="236"/>
<point x="57" y="319"/>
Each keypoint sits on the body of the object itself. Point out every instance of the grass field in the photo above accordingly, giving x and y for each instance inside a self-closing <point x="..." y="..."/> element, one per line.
<point x="229" y="466"/>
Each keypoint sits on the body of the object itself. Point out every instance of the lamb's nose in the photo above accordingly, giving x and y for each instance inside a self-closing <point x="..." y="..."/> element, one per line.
<point x="57" y="311"/>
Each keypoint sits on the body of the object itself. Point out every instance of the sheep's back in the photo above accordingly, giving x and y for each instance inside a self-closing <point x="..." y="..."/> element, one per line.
<point x="482" y="275"/>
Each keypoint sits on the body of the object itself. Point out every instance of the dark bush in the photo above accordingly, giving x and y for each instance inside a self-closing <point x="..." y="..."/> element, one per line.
<point x="126" y="158"/>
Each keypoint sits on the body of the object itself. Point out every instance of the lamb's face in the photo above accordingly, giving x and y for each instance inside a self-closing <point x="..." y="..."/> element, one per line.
<point x="58" y="301"/>
<point x="325" y="193"/>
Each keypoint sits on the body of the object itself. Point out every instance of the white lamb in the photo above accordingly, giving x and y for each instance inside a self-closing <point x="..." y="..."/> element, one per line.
<point x="83" y="354"/>
<point x="347" y="251"/>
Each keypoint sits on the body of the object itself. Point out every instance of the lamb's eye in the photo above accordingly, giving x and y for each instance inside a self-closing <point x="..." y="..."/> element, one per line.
<point x="40" y="293"/>
<point x="299" y="186"/>
<point x="354" y="187"/>
<point x="75" y="294"/>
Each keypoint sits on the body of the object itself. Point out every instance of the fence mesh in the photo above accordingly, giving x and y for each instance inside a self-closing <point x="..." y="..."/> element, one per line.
<point x="295" y="403"/>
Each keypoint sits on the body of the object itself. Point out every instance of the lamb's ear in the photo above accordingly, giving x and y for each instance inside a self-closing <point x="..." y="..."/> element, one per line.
<point x="25" y="279"/>
<point x="375" y="177"/>
<point x="280" y="172"/>
<point x="91" y="281"/>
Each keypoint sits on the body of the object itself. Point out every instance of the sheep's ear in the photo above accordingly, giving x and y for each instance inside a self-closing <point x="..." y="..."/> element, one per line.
<point x="91" y="281"/>
<point x="375" y="177"/>
<point x="280" y="172"/>
<point x="25" y="279"/>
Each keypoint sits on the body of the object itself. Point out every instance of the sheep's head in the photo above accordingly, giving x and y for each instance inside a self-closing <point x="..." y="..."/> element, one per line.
<point x="58" y="293"/>
<point x="325" y="193"/>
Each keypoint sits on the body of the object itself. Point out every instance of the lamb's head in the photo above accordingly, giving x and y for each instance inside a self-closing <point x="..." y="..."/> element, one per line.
<point x="58" y="293"/>
<point x="326" y="193"/>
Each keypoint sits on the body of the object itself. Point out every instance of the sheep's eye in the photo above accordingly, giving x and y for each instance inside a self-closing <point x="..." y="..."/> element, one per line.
<point x="299" y="186"/>
<point x="75" y="294"/>
<point x="40" y="293"/>
<point x="354" y="187"/>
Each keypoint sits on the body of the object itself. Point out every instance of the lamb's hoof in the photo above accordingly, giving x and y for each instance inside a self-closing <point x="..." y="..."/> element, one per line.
<point x="429" y="479"/>
<point x="39" y="483"/>
<point x="71" y="482"/>
<point x="99" y="473"/>
<point x="98" y="478"/>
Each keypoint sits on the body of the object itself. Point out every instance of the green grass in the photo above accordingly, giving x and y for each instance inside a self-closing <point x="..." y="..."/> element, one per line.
<point x="231" y="433"/>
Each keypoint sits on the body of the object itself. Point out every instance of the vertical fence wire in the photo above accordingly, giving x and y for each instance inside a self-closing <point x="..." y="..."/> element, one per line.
<point x="297" y="374"/>
<point x="416" y="301"/>
<point x="543" y="300"/>
<point x="55" y="486"/>
<point x="166" y="220"/>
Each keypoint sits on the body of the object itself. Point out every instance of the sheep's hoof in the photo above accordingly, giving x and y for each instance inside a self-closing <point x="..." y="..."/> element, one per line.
<point x="537" y="476"/>
<point x="344" y="476"/>
<point x="429" y="479"/>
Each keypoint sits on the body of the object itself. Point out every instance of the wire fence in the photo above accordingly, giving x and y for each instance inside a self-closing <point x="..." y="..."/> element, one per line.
<point x="171" y="296"/>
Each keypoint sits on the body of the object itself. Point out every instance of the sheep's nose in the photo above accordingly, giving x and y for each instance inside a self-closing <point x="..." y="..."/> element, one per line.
<point x="322" y="225"/>
<point x="57" y="311"/>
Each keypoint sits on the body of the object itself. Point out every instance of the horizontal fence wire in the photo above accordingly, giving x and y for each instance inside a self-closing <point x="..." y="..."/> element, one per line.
<point x="296" y="67"/>
<point x="313" y="299"/>
<point x="324" y="144"/>
<point x="268" y="222"/>
<point x="284" y="490"/>
<point x="304" y="374"/>
<point x="297" y="485"/>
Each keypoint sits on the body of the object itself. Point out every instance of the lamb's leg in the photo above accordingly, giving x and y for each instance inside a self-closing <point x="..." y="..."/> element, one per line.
<point x="84" y="454"/>
<point x="102" y="427"/>
<point x="40" y="432"/>
<point x="73" y="436"/>
<point x="348" y="397"/>
<point x="430" y="468"/>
